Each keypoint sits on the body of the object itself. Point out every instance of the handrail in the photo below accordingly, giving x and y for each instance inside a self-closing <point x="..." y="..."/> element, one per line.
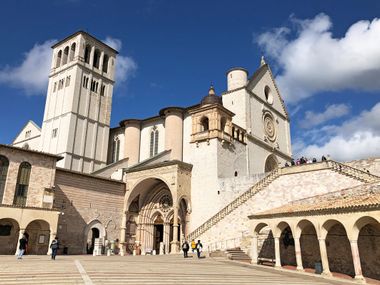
<point x="353" y="172"/>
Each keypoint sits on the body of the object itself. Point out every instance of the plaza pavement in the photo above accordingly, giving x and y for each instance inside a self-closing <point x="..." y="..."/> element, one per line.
<point x="157" y="270"/>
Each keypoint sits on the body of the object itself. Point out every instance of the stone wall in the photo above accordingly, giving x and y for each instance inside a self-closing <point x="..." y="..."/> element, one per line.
<point x="370" y="164"/>
<point x="283" y="190"/>
<point x="84" y="199"/>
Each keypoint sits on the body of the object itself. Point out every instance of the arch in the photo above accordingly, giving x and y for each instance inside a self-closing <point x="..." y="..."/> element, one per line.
<point x="58" y="59"/>
<point x="369" y="248"/>
<point x="204" y="124"/>
<point x="265" y="239"/>
<point x="9" y="233"/>
<point x="72" y="51"/>
<point x="359" y="224"/>
<point x="223" y="123"/>
<point x="22" y="185"/>
<point x="287" y="247"/>
<point x="38" y="233"/>
<point x="4" y="164"/>
<point x="96" y="60"/>
<point x="65" y="55"/>
<point x="271" y="163"/>
<point x="95" y="226"/>
<point x="105" y="63"/>
<point x="87" y="53"/>
<point x="310" y="252"/>
<point x="338" y="247"/>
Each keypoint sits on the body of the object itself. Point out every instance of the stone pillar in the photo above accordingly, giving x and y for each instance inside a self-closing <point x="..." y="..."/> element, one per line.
<point x="166" y="237"/>
<point x="123" y="229"/>
<point x="356" y="260"/>
<point x="324" y="259"/>
<point x="20" y="234"/>
<point x="92" y="55"/>
<point x="254" y="252"/>
<point x="51" y="238"/>
<point x="174" y="132"/>
<point x="297" y="246"/>
<point x="101" y="62"/>
<point x="277" y="251"/>
<point x="175" y="243"/>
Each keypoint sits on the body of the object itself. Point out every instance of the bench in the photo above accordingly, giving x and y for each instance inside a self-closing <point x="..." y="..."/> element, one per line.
<point x="262" y="260"/>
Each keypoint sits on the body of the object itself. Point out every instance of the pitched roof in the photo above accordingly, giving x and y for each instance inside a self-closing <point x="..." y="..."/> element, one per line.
<point x="361" y="197"/>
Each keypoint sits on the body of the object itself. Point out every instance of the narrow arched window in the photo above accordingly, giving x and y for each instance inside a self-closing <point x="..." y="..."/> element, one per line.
<point x="72" y="51"/>
<point x="115" y="149"/>
<point x="204" y="124"/>
<point x="4" y="163"/>
<point x="96" y="58"/>
<point x="154" y="141"/>
<point x="22" y="185"/>
<point x="105" y="63"/>
<point x="65" y="55"/>
<point x="58" y="61"/>
<point x="233" y="132"/>
<point x="87" y="52"/>
<point x="223" y="124"/>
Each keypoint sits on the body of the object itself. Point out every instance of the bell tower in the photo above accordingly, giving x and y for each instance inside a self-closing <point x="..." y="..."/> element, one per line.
<point x="78" y="104"/>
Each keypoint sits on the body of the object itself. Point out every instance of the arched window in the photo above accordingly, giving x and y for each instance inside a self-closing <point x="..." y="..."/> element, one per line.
<point x="4" y="163"/>
<point x="238" y="135"/>
<point x="58" y="61"/>
<point x="96" y="58"/>
<point x="233" y="132"/>
<point x="223" y="124"/>
<point x="154" y="141"/>
<point x="65" y="55"/>
<point x="87" y="52"/>
<point x="204" y="124"/>
<point x="22" y="184"/>
<point x="115" y="149"/>
<point x="105" y="63"/>
<point x="72" y="51"/>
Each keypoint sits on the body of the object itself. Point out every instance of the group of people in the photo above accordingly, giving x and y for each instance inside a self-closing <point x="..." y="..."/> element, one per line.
<point x="24" y="246"/>
<point x="194" y="247"/>
<point x="303" y="160"/>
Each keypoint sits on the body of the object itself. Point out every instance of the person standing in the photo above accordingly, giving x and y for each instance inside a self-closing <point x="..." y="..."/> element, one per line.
<point x="199" y="248"/>
<point x="22" y="247"/>
<point x="193" y="246"/>
<point x="185" y="248"/>
<point x="54" y="248"/>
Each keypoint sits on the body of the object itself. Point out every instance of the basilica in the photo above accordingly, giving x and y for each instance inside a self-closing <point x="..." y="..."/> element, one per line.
<point x="212" y="171"/>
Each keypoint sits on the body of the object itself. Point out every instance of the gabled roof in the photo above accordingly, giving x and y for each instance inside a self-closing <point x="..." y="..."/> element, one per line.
<point x="22" y="130"/>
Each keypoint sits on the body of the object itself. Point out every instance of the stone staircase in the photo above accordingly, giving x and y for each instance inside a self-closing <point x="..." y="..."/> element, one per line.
<point x="268" y="179"/>
<point x="238" y="255"/>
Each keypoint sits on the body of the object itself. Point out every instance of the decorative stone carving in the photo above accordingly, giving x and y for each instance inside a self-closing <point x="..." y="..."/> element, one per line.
<point x="166" y="202"/>
<point x="269" y="126"/>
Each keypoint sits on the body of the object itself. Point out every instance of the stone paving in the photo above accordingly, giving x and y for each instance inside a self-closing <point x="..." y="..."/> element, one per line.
<point x="168" y="269"/>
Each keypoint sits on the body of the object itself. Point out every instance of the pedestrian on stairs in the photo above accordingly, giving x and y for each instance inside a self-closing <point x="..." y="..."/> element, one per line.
<point x="193" y="246"/>
<point x="199" y="248"/>
<point x="185" y="248"/>
<point x="54" y="248"/>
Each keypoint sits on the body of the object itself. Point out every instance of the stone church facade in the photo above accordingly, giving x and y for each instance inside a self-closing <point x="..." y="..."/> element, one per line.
<point x="204" y="171"/>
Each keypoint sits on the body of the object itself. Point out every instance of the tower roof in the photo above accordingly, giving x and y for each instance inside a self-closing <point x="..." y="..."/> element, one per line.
<point x="86" y="34"/>
<point x="211" y="98"/>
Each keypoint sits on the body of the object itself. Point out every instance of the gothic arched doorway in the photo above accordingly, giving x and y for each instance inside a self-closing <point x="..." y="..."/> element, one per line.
<point x="271" y="163"/>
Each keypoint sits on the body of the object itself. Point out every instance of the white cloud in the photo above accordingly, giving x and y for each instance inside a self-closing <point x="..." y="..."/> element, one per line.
<point x="314" y="61"/>
<point x="332" y="112"/>
<point x="125" y="66"/>
<point x="32" y="74"/>
<point x="356" y="138"/>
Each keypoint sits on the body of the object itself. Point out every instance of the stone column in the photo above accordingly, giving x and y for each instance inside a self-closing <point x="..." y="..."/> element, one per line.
<point x="277" y="251"/>
<point x="298" y="253"/>
<point x="101" y="61"/>
<point x="175" y="243"/>
<point x="123" y="230"/>
<point x="92" y="55"/>
<point x="167" y="237"/>
<point x="20" y="234"/>
<point x="356" y="260"/>
<point x="254" y="252"/>
<point x="324" y="259"/>
<point x="51" y="238"/>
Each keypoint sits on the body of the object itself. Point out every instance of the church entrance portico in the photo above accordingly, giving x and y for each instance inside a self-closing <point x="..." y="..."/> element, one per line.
<point x="154" y="216"/>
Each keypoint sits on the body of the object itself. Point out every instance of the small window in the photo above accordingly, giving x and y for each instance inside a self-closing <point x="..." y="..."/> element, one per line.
<point x="22" y="184"/>
<point x="54" y="133"/>
<point x="59" y="56"/>
<point x="65" y="55"/>
<point x="27" y="134"/>
<point x="105" y="63"/>
<point x="154" y="134"/>
<point x="236" y="173"/>
<point x="55" y="86"/>
<point x="102" y="90"/>
<point x="96" y="58"/>
<point x="87" y="52"/>
<point x="68" y="80"/>
<point x="72" y="51"/>
<point x="204" y="124"/>
<point x="268" y="95"/>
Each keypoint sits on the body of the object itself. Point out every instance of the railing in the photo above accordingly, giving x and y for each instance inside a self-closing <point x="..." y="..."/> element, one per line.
<point x="225" y="244"/>
<point x="234" y="204"/>
<point x="353" y="172"/>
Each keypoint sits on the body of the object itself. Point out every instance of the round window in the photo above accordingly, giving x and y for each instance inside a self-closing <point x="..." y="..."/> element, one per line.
<point x="268" y="94"/>
<point x="269" y="126"/>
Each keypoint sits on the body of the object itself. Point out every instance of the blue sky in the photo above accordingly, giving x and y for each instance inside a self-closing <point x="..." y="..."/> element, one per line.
<point x="325" y="56"/>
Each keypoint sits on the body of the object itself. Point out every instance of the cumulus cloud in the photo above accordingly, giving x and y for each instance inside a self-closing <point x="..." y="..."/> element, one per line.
<point x="125" y="66"/>
<point x="314" y="61"/>
<point x="331" y="112"/>
<point x="356" y="138"/>
<point x="32" y="74"/>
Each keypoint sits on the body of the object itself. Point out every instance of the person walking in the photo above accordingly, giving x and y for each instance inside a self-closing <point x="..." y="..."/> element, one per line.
<point x="193" y="246"/>
<point x="185" y="248"/>
<point x="54" y="248"/>
<point x="199" y="248"/>
<point x="22" y="247"/>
